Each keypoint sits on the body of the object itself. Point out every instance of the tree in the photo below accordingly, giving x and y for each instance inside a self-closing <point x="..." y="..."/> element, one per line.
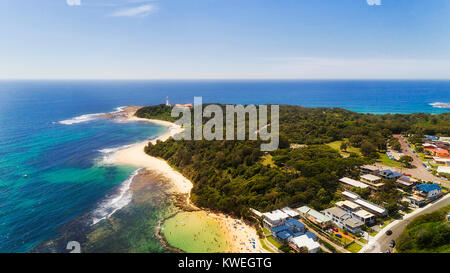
<point x="286" y="248"/>
<point x="406" y="160"/>
<point x="368" y="149"/>
<point x="395" y="144"/>
<point x="344" y="146"/>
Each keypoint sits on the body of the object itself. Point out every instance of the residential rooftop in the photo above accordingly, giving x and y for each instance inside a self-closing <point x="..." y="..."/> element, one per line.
<point x="353" y="183"/>
<point x="370" y="177"/>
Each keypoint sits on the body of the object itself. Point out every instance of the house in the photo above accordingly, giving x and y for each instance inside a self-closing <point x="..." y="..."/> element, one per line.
<point x="348" y="206"/>
<point x="369" y="169"/>
<point x="350" y="183"/>
<point x="439" y="152"/>
<point x="373" y="181"/>
<point x="429" y="146"/>
<point x="428" y="191"/>
<point x="343" y="219"/>
<point x="364" y="216"/>
<point x="357" y="212"/>
<point x="292" y="228"/>
<point x="303" y="241"/>
<point x="274" y="219"/>
<point x="439" y="160"/>
<point x="292" y="213"/>
<point x="443" y="170"/>
<point x="388" y="174"/>
<point x="377" y="210"/>
<point x="406" y="181"/>
<point x="256" y="212"/>
<point x="431" y="138"/>
<point x="350" y="195"/>
<point x="444" y="139"/>
<point x="424" y="193"/>
<point x="315" y="217"/>
<point x="353" y="225"/>
<point x="311" y="235"/>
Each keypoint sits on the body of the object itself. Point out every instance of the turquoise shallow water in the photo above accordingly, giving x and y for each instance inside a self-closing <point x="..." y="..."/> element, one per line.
<point x="63" y="160"/>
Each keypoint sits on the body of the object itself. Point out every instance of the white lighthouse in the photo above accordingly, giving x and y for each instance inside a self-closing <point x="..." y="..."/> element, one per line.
<point x="167" y="101"/>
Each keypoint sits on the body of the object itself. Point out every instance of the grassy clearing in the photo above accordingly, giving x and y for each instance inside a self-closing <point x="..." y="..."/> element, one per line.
<point x="362" y="240"/>
<point x="273" y="242"/>
<point x="385" y="160"/>
<point x="266" y="231"/>
<point x="263" y="244"/>
<point x="337" y="146"/>
<point x="354" y="247"/>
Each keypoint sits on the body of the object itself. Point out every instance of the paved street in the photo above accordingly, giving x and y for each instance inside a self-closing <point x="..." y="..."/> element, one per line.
<point x="380" y="243"/>
<point x="419" y="170"/>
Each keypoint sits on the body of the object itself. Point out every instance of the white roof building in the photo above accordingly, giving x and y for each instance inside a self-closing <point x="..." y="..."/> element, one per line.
<point x="371" y="178"/>
<point x="305" y="241"/>
<point x="443" y="169"/>
<point x="353" y="183"/>
<point x="350" y="195"/>
<point x="348" y="205"/>
<point x="372" y="207"/>
<point x="275" y="218"/>
<point x="363" y="214"/>
<point x="292" y="213"/>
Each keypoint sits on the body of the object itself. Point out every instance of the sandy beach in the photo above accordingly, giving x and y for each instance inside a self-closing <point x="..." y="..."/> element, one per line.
<point x="239" y="236"/>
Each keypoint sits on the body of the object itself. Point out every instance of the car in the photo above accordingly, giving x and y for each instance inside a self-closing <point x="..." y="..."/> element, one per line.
<point x="389" y="232"/>
<point x="392" y="243"/>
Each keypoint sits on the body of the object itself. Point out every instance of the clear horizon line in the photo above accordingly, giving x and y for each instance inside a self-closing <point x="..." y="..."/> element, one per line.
<point x="223" y="79"/>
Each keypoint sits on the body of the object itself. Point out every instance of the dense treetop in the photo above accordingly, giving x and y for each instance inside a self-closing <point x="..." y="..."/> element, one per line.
<point x="232" y="176"/>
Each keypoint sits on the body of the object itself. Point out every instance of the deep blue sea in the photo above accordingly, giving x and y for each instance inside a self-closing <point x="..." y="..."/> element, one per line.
<point x="45" y="134"/>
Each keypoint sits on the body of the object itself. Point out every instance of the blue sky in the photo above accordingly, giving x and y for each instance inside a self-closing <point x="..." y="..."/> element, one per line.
<point x="178" y="39"/>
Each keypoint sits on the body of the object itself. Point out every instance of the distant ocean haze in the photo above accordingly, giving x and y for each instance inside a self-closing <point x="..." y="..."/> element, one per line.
<point x="50" y="131"/>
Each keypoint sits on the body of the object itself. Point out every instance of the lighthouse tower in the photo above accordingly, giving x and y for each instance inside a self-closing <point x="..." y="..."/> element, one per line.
<point x="167" y="101"/>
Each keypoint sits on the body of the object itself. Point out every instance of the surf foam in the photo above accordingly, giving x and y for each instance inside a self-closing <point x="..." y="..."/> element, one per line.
<point x="114" y="203"/>
<point x="440" y="105"/>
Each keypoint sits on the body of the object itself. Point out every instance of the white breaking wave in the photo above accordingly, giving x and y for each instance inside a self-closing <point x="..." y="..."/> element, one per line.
<point x="116" y="202"/>
<point x="90" y="117"/>
<point x="82" y="118"/>
<point x="440" y="105"/>
<point x="108" y="154"/>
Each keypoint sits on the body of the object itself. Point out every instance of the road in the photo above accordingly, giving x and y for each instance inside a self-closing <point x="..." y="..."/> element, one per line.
<point x="380" y="243"/>
<point x="419" y="170"/>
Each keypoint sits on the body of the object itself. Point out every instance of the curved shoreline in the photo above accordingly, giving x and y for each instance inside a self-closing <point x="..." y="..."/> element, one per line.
<point x="135" y="155"/>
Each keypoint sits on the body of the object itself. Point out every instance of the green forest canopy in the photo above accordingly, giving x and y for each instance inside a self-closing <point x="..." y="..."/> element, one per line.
<point x="229" y="175"/>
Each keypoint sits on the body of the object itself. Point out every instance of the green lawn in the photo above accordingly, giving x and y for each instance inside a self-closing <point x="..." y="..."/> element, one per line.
<point x="337" y="146"/>
<point x="263" y="244"/>
<point x="273" y="242"/>
<point x="266" y="231"/>
<point x="354" y="247"/>
<point x="362" y="240"/>
<point x="385" y="160"/>
<point x="387" y="222"/>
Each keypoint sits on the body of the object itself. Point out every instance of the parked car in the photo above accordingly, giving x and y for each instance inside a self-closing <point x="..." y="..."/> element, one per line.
<point x="389" y="232"/>
<point x="392" y="243"/>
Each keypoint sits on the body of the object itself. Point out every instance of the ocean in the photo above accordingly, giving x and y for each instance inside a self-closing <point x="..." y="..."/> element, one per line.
<point x="50" y="132"/>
